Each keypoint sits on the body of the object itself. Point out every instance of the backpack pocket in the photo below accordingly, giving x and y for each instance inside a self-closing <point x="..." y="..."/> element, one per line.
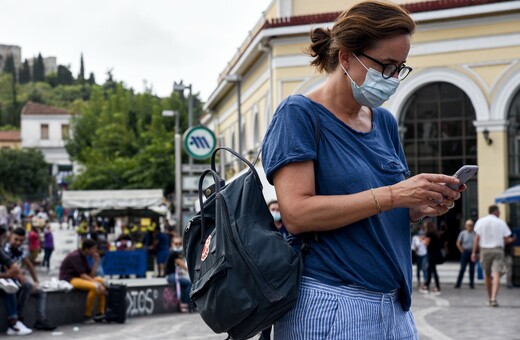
<point x="212" y="295"/>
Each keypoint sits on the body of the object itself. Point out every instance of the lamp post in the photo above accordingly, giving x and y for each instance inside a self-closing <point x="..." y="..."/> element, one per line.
<point x="235" y="78"/>
<point x="180" y="87"/>
<point x="178" y="171"/>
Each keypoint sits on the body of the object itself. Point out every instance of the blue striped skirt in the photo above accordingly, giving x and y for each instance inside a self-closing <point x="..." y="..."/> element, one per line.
<point x="344" y="312"/>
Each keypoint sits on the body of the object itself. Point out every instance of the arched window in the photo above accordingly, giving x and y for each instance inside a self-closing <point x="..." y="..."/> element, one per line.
<point x="437" y="125"/>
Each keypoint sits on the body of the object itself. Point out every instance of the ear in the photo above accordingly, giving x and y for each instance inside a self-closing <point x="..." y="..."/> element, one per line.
<point x="344" y="58"/>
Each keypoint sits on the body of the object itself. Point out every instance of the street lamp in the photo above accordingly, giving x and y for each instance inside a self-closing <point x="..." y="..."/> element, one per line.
<point x="180" y="87"/>
<point x="235" y="78"/>
<point x="178" y="171"/>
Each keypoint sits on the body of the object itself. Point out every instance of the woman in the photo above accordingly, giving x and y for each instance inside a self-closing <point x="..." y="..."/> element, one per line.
<point x="434" y="245"/>
<point x="48" y="247"/>
<point x="176" y="272"/>
<point x="350" y="188"/>
<point x="161" y="245"/>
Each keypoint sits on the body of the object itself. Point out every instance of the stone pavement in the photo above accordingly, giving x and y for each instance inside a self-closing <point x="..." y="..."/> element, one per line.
<point x="457" y="314"/>
<point x="463" y="314"/>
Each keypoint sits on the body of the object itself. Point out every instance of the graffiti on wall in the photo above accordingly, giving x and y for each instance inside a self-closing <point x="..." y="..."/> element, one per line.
<point x="143" y="301"/>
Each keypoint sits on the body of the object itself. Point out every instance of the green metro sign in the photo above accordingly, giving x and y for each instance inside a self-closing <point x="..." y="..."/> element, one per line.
<point x="199" y="142"/>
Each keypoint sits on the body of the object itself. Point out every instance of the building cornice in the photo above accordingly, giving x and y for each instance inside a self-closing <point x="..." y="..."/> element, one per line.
<point x="421" y="12"/>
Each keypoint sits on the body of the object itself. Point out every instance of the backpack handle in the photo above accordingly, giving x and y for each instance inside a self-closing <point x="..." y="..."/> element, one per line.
<point x="216" y="178"/>
<point x="236" y="154"/>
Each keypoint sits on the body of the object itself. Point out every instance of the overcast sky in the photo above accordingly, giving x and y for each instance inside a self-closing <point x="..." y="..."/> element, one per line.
<point x="159" y="41"/>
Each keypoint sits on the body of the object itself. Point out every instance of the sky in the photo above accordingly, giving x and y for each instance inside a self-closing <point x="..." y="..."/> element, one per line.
<point x="155" y="42"/>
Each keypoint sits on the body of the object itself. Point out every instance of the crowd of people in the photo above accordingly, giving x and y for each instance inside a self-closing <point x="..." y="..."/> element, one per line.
<point x="19" y="280"/>
<point x="485" y="244"/>
<point x="27" y="241"/>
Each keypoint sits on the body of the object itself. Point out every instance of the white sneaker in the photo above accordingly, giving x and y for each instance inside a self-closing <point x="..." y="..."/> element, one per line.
<point x="18" y="329"/>
<point x="8" y="286"/>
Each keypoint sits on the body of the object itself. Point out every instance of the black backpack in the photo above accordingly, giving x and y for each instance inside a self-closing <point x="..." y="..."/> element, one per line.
<point x="244" y="275"/>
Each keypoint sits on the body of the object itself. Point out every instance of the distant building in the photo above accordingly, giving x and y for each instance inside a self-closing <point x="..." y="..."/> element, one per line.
<point x="10" y="140"/>
<point x="15" y="51"/>
<point x="47" y="128"/>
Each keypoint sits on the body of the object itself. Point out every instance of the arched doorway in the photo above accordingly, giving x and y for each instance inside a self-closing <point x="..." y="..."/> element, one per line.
<point x="513" y="119"/>
<point x="438" y="136"/>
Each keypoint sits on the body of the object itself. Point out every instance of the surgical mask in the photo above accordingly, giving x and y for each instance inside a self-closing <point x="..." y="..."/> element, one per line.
<point x="375" y="90"/>
<point x="177" y="249"/>
<point x="276" y="216"/>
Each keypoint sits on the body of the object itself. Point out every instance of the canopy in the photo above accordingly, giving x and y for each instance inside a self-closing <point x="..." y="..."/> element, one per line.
<point x="509" y="196"/>
<point x="112" y="199"/>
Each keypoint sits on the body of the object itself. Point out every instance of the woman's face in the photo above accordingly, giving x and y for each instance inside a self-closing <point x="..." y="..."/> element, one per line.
<point x="388" y="51"/>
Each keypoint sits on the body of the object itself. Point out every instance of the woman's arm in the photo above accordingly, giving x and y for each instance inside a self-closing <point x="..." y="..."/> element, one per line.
<point x="304" y="211"/>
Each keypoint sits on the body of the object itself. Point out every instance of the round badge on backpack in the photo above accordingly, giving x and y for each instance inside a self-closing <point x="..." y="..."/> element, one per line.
<point x="205" y="250"/>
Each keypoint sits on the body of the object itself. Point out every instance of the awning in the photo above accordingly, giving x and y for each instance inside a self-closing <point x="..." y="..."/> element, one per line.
<point x="509" y="196"/>
<point x="112" y="199"/>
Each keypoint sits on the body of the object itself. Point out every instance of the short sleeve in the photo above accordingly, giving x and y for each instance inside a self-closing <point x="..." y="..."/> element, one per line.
<point x="291" y="136"/>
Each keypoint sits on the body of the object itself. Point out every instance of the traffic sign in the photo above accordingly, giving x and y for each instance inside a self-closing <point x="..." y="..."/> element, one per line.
<point x="199" y="142"/>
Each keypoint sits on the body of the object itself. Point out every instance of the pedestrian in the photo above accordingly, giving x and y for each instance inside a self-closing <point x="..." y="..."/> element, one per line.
<point x="465" y="242"/>
<point x="492" y="234"/>
<point x="508" y="259"/>
<point x="161" y="246"/>
<point x="76" y="270"/>
<point x="434" y="246"/>
<point x="349" y="187"/>
<point x="34" y="244"/>
<point x="421" y="256"/>
<point x="48" y="247"/>
<point x="15" y="250"/>
<point x="176" y="272"/>
<point x="10" y="275"/>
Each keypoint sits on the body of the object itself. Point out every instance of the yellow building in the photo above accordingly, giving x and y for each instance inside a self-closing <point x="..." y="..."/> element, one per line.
<point x="10" y="140"/>
<point x="460" y="105"/>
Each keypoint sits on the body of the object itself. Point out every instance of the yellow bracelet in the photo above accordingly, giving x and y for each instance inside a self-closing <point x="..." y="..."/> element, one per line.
<point x="375" y="200"/>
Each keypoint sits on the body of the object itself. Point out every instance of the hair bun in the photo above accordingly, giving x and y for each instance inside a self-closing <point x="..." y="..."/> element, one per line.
<point x="319" y="48"/>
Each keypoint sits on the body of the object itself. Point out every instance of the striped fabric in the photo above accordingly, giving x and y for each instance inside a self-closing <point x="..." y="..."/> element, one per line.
<point x="344" y="312"/>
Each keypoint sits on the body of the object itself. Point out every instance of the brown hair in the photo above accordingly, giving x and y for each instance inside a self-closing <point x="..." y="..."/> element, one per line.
<point x="356" y="30"/>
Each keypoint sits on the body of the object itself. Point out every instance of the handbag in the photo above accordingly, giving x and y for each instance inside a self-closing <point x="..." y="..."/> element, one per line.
<point x="244" y="274"/>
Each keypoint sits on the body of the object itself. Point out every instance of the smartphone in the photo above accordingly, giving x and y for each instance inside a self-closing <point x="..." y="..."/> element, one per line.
<point x="464" y="174"/>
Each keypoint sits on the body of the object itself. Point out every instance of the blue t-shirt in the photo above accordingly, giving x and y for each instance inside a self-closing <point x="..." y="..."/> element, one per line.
<point x="375" y="252"/>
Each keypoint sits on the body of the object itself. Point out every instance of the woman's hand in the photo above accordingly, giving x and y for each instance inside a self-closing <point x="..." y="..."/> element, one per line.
<point x="429" y="196"/>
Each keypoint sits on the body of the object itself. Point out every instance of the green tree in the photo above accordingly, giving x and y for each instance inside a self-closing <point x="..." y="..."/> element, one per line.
<point x="10" y="67"/>
<point x="38" y="69"/>
<point x="24" y="173"/>
<point x="81" y="75"/>
<point x="91" y="79"/>
<point x="64" y="75"/>
<point x="25" y="73"/>
<point x="52" y="79"/>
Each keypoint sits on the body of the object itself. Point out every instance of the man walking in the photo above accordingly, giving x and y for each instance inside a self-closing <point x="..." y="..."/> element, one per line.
<point x="491" y="235"/>
<point x="465" y="243"/>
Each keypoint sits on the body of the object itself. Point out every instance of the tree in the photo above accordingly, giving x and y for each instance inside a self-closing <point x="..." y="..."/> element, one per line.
<point x="38" y="69"/>
<point x="91" y="79"/>
<point x="10" y="67"/>
<point x="64" y="75"/>
<point x="81" y="75"/>
<point x="24" y="173"/>
<point x="25" y="73"/>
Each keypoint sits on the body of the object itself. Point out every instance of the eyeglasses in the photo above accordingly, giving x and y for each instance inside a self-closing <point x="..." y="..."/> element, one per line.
<point x="389" y="70"/>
